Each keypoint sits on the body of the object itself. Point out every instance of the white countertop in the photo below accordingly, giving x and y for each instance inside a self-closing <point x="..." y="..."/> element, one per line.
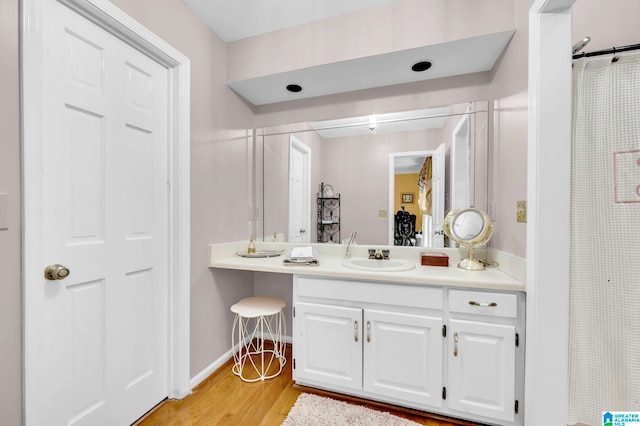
<point x="331" y="257"/>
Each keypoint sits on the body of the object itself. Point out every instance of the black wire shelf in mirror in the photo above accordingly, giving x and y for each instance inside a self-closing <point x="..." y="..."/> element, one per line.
<point x="328" y="218"/>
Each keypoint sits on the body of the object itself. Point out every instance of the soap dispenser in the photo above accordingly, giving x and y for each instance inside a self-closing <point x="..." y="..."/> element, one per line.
<point x="252" y="246"/>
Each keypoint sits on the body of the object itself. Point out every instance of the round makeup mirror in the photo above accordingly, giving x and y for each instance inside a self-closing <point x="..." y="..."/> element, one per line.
<point x="470" y="228"/>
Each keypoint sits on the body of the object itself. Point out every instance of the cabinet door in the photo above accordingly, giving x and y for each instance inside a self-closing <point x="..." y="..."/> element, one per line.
<point x="327" y="345"/>
<point x="403" y="356"/>
<point x="482" y="369"/>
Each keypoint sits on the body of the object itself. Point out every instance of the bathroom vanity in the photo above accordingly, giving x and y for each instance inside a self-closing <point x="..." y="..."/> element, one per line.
<point x="435" y="339"/>
<point x="458" y="352"/>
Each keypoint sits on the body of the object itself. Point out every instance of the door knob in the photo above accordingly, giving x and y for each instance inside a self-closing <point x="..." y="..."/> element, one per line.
<point x="302" y="230"/>
<point x="56" y="272"/>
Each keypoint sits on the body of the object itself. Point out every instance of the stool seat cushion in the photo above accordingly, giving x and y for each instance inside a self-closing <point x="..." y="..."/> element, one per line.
<point x="253" y="307"/>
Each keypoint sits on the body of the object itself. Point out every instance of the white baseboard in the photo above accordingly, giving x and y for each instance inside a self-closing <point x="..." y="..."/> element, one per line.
<point x="209" y="369"/>
<point x="219" y="362"/>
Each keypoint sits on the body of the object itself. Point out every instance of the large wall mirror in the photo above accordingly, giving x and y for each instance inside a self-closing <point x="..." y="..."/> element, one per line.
<point x="389" y="177"/>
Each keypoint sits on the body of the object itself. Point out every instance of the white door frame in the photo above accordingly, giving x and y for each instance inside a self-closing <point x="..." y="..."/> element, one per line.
<point x="548" y="200"/>
<point x="461" y="134"/>
<point x="113" y="20"/>
<point x="295" y="143"/>
<point x="392" y="185"/>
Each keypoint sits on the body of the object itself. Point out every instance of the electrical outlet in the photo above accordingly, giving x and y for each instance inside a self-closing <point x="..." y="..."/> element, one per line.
<point x="382" y="213"/>
<point x="521" y="211"/>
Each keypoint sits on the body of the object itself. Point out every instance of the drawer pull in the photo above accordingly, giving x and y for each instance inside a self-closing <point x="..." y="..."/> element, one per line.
<point x="355" y="330"/>
<point x="455" y="344"/>
<point x="483" y="304"/>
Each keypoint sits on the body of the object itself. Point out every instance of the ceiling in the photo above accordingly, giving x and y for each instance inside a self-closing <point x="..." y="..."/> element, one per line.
<point x="237" y="19"/>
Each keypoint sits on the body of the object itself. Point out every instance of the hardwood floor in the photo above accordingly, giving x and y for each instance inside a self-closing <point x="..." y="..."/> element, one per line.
<point x="224" y="399"/>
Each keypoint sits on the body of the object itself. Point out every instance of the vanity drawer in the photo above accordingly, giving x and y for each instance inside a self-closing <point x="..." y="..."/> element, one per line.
<point x="483" y="303"/>
<point x="414" y="296"/>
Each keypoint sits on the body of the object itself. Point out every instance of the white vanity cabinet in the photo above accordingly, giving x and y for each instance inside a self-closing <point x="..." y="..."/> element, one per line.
<point x="381" y="341"/>
<point x="483" y="345"/>
<point x="455" y="352"/>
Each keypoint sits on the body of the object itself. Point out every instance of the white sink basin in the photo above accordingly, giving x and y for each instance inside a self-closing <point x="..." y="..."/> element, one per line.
<point x="378" y="265"/>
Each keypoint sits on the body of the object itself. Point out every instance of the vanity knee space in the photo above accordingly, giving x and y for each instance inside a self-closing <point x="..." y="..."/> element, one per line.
<point x="437" y="349"/>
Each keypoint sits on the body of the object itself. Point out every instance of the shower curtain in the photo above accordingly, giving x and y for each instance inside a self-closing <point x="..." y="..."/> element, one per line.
<point x="604" y="324"/>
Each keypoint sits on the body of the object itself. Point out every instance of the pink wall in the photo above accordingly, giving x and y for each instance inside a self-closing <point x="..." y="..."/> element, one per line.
<point x="276" y="172"/>
<point x="219" y="155"/>
<point x="508" y="157"/>
<point x="479" y="134"/>
<point x="387" y="28"/>
<point x="608" y="24"/>
<point x="358" y="168"/>
<point x="507" y="84"/>
<point x="219" y="170"/>
<point x="10" y="239"/>
<point x="219" y="167"/>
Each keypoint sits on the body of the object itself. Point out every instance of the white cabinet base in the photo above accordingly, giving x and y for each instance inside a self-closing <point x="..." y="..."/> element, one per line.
<point x="458" y="353"/>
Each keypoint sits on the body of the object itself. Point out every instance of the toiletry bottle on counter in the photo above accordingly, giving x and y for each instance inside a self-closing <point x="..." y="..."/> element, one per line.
<point x="252" y="246"/>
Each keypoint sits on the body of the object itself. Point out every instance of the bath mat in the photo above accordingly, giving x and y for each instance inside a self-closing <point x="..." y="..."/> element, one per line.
<point x="314" y="410"/>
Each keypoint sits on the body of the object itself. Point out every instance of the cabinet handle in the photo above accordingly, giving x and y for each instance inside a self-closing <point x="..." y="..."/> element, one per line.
<point x="455" y="344"/>
<point x="355" y="330"/>
<point x="483" y="304"/>
<point x="368" y="331"/>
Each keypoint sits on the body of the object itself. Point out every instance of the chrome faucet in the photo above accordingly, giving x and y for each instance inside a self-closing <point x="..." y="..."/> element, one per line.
<point x="378" y="254"/>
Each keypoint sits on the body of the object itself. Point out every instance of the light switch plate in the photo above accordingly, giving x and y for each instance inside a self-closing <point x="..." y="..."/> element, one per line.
<point x="4" y="211"/>
<point x="521" y="211"/>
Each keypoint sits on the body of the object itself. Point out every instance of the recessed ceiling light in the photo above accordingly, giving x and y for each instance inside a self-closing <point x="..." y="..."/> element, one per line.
<point x="295" y="88"/>
<point x="421" y="66"/>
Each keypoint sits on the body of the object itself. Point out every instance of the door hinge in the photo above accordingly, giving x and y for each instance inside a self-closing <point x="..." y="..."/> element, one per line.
<point x="517" y="340"/>
<point x="444" y="393"/>
<point x="444" y="330"/>
<point x="294" y="367"/>
<point x="294" y="311"/>
<point x="516" y="407"/>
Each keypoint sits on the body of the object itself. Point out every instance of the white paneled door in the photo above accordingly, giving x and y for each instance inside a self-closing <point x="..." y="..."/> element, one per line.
<point x="299" y="192"/>
<point x="104" y="344"/>
<point x="437" y="185"/>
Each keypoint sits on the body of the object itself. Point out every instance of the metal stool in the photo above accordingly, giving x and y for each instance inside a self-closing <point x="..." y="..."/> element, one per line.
<point x="258" y="319"/>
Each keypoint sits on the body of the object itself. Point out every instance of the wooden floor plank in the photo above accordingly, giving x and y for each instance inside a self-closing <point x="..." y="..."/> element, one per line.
<point x="224" y="399"/>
